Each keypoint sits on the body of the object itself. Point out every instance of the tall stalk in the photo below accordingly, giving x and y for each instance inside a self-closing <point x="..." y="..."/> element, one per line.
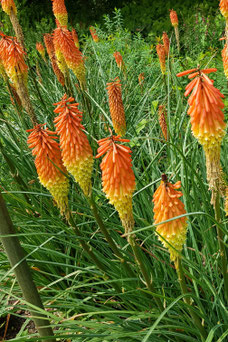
<point x="17" y="260"/>
<point x="140" y="263"/>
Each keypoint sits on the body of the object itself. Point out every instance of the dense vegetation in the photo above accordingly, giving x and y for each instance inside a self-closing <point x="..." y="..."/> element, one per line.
<point x="83" y="302"/>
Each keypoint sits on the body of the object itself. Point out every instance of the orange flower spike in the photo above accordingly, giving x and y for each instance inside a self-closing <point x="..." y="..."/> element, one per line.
<point x="66" y="50"/>
<point x="167" y="205"/>
<point x="49" y="165"/>
<point x="9" y="6"/>
<point x="48" y="40"/>
<point x="162" y="117"/>
<point x="207" y="120"/>
<point x="94" y="34"/>
<point x="223" y="5"/>
<point x="75" y="38"/>
<point x="12" y="56"/>
<point x="40" y="48"/>
<point x="75" y="148"/>
<point x="60" y="12"/>
<point x="116" y="106"/>
<point x="119" y="59"/>
<point x="173" y="18"/>
<point x="161" y="55"/>
<point x="118" y="179"/>
<point x="166" y="43"/>
<point x="225" y="60"/>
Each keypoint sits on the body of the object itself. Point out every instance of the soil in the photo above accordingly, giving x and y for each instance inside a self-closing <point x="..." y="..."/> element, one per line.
<point x="14" y="325"/>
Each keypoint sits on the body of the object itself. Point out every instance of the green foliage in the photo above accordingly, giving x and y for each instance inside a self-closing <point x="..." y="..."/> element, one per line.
<point x="83" y="304"/>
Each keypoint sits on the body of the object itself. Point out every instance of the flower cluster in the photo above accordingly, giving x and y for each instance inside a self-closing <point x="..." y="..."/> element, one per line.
<point x="166" y="43"/>
<point x="49" y="164"/>
<point x="68" y="55"/>
<point x="40" y="48"/>
<point x="116" y="106"/>
<point x="167" y="205"/>
<point x="9" y="6"/>
<point x="60" y="12"/>
<point x="48" y="40"/>
<point x="161" y="55"/>
<point x="223" y="5"/>
<point x="94" y="34"/>
<point x="12" y="57"/>
<point x="75" y="148"/>
<point x="118" y="178"/>
<point x="207" y="118"/>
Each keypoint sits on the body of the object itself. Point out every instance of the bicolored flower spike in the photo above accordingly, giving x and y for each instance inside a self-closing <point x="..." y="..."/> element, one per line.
<point x="75" y="148"/>
<point x="67" y="52"/>
<point x="225" y="60"/>
<point x="161" y="55"/>
<point x="166" y="42"/>
<point x="40" y="48"/>
<point x="119" y="60"/>
<point x="12" y="56"/>
<point x="48" y="40"/>
<point x="223" y="5"/>
<point x="173" y="17"/>
<point x="118" y="179"/>
<point x="60" y="12"/>
<point x="75" y="38"/>
<point x="167" y="205"/>
<point x="9" y="6"/>
<point x="116" y="106"/>
<point x="49" y="165"/>
<point x="162" y="117"/>
<point x="94" y="34"/>
<point x="207" y="118"/>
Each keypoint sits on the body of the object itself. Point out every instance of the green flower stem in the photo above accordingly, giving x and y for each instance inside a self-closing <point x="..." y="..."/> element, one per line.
<point x="147" y="277"/>
<point x="108" y="237"/>
<point x="184" y="290"/>
<point x="220" y="235"/>
<point x="16" y="256"/>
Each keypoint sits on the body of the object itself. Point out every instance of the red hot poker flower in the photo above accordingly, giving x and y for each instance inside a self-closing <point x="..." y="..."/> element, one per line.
<point x="223" y="5"/>
<point x="119" y="60"/>
<point x="8" y="6"/>
<point x="173" y="18"/>
<point x="207" y="118"/>
<point x="40" y="48"/>
<point x="60" y="12"/>
<point x="166" y="43"/>
<point x="94" y="34"/>
<point x="12" y="56"/>
<point x="116" y="106"/>
<point x="118" y="178"/>
<point x="65" y="48"/>
<point x="75" y="148"/>
<point x="166" y="206"/>
<point x="48" y="40"/>
<point x="49" y="165"/>
<point x="161" y="55"/>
